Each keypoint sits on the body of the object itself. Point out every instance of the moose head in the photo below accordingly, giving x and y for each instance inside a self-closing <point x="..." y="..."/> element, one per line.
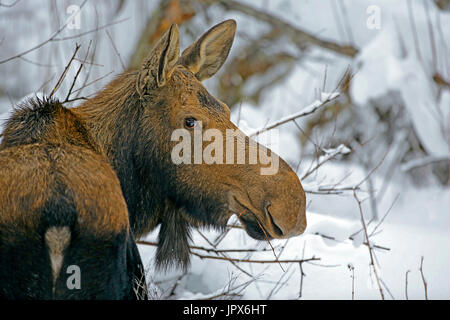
<point x="134" y="120"/>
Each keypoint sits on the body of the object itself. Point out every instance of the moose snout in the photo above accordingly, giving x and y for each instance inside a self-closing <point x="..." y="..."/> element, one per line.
<point x="285" y="209"/>
<point x="285" y="221"/>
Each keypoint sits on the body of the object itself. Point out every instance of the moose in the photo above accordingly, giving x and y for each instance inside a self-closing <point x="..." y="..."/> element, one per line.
<point x="60" y="195"/>
<point x="61" y="205"/>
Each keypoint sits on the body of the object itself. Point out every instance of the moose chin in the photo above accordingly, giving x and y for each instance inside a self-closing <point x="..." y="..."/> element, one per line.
<point x="126" y="130"/>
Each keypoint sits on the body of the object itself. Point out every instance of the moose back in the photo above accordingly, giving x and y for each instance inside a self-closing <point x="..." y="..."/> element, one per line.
<point x="126" y="135"/>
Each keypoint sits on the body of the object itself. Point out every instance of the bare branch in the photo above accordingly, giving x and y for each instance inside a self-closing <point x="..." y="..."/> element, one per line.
<point x="209" y="250"/>
<point x="176" y="284"/>
<point x="406" y="284"/>
<point x="50" y="39"/>
<point x="304" y="112"/>
<point x="90" y="31"/>
<point x="425" y="285"/>
<point x="372" y="261"/>
<point x="234" y="259"/>
<point x="385" y="215"/>
<point x="63" y="75"/>
<point x="302" y="273"/>
<point x="313" y="258"/>
<point x="223" y="254"/>
<point x="230" y="291"/>
<point x="352" y="269"/>
<point x="115" y="50"/>
<point x="93" y="81"/>
<point x="78" y="73"/>
<point x="329" y="154"/>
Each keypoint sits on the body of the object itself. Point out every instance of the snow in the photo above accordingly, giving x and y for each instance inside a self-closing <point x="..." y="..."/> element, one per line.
<point x="386" y="66"/>
<point x="388" y="62"/>
<point x="407" y="237"/>
<point x="329" y="278"/>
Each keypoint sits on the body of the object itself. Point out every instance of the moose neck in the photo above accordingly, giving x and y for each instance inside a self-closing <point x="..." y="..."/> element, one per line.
<point x="112" y="119"/>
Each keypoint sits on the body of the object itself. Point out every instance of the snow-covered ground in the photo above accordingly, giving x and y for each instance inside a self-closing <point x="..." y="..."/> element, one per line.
<point x="408" y="237"/>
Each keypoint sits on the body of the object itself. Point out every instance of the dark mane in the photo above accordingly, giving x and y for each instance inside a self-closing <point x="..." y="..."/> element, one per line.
<point x="44" y="121"/>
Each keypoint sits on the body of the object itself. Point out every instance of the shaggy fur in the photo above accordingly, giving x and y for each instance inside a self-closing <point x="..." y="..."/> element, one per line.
<point x="61" y="205"/>
<point x="132" y="120"/>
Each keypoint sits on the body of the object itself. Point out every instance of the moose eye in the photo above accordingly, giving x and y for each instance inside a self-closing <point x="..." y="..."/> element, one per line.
<point x="190" y="123"/>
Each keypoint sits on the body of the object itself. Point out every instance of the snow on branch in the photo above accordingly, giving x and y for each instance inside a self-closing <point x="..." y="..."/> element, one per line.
<point x="329" y="154"/>
<point x="326" y="98"/>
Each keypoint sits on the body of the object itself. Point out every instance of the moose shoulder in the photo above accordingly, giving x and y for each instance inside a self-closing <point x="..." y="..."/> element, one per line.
<point x="61" y="209"/>
<point x="133" y="119"/>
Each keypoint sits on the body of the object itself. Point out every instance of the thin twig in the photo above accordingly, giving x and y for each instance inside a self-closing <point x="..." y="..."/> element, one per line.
<point x="176" y="284"/>
<point x="352" y="269"/>
<point x="302" y="273"/>
<point x="372" y="262"/>
<point x="223" y="254"/>
<point x="50" y="39"/>
<point x="280" y="283"/>
<point x="229" y="291"/>
<point x="304" y="112"/>
<point x="63" y="75"/>
<point x="268" y="240"/>
<point x="330" y="154"/>
<point x="79" y="35"/>
<point x="406" y="284"/>
<point x="385" y="215"/>
<point x="234" y="259"/>
<point x="115" y="50"/>
<point x="77" y="74"/>
<point x="93" y="81"/>
<point x="425" y="285"/>
<point x="256" y="261"/>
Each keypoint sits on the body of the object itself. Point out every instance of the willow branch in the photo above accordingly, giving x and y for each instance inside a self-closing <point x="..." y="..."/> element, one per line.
<point x="155" y="244"/>
<point x="255" y="261"/>
<point x="304" y="112"/>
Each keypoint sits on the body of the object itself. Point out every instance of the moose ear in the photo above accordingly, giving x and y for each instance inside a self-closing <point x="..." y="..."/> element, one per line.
<point x="206" y="55"/>
<point x="158" y="65"/>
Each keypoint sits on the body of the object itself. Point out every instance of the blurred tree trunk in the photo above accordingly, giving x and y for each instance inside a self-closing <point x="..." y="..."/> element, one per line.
<point x="167" y="12"/>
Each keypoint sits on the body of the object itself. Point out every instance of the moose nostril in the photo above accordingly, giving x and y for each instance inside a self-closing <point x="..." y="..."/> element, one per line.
<point x="276" y="228"/>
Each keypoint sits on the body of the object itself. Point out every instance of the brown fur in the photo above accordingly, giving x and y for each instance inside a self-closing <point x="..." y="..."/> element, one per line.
<point x="41" y="155"/>
<point x="52" y="177"/>
<point x="132" y="120"/>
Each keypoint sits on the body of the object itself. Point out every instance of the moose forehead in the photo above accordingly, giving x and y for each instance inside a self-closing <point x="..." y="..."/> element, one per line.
<point x="191" y="87"/>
